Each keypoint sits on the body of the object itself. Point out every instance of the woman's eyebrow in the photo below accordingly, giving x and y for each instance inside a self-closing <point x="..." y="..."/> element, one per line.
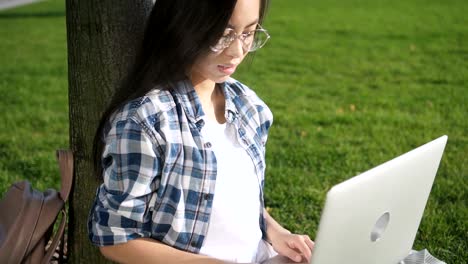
<point x="249" y="25"/>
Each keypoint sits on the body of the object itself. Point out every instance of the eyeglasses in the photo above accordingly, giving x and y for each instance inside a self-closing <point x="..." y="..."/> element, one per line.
<point x="251" y="41"/>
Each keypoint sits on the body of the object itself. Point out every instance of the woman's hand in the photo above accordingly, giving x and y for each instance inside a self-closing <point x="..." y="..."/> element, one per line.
<point x="296" y="247"/>
<point x="293" y="246"/>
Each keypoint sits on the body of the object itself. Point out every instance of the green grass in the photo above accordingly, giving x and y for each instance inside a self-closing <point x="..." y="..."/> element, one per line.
<point x="351" y="84"/>
<point x="33" y="93"/>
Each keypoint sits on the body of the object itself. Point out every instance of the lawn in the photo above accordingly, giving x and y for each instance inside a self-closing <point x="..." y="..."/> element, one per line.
<point x="351" y="84"/>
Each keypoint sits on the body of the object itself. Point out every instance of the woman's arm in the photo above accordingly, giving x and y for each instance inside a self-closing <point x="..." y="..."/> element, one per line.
<point x="294" y="246"/>
<point x="146" y="250"/>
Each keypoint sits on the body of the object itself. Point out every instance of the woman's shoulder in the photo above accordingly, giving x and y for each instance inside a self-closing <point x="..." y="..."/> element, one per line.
<point x="239" y="89"/>
<point x="235" y="88"/>
<point x="147" y="109"/>
<point x="245" y="99"/>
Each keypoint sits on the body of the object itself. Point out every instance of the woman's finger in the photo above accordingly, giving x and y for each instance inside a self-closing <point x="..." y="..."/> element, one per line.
<point x="302" y="246"/>
<point x="291" y="253"/>
<point x="309" y="242"/>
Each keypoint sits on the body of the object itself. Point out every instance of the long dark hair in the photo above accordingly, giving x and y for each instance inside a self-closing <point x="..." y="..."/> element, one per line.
<point x="177" y="33"/>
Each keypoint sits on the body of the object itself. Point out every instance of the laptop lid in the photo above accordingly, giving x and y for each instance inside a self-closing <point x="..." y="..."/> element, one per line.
<point x="374" y="217"/>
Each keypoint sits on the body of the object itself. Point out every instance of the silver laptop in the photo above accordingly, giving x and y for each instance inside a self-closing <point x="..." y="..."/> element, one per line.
<point x="374" y="217"/>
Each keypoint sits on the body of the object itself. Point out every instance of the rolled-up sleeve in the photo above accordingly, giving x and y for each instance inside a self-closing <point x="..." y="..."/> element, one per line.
<point x="122" y="208"/>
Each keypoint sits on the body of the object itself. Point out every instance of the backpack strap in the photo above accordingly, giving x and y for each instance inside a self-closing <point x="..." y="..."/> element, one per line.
<point x="56" y="239"/>
<point x="65" y="160"/>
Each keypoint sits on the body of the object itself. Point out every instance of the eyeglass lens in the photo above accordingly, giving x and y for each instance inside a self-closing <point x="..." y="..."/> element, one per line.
<point x="250" y="41"/>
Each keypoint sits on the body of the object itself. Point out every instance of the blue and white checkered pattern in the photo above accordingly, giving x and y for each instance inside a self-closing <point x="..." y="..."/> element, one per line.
<point x="159" y="172"/>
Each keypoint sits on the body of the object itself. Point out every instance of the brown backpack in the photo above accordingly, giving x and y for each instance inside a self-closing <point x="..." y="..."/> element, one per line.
<point x="27" y="218"/>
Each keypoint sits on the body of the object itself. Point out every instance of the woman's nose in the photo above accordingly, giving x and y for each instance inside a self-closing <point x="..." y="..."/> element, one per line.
<point x="236" y="49"/>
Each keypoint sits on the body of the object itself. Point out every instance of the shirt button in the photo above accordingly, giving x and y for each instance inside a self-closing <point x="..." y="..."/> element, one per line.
<point x="207" y="196"/>
<point x="207" y="145"/>
<point x="194" y="244"/>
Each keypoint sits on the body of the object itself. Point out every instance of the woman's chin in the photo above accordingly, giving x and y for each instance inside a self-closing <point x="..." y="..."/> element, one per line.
<point x="222" y="79"/>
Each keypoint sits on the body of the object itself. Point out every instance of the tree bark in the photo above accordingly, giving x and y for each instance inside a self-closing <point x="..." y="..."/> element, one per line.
<point x="102" y="39"/>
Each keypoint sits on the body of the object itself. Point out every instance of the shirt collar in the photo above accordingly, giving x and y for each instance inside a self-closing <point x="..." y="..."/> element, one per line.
<point x="186" y="94"/>
<point x="231" y="113"/>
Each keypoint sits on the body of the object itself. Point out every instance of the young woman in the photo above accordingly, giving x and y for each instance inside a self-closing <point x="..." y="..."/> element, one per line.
<point x="182" y="147"/>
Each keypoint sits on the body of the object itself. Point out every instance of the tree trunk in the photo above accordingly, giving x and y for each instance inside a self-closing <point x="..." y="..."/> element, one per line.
<point x="102" y="39"/>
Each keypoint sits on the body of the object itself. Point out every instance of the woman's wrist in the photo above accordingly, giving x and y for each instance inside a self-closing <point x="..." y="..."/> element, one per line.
<point x="273" y="234"/>
<point x="274" y="229"/>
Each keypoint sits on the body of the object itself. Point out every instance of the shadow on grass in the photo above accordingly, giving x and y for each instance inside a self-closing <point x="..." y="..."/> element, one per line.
<point x="31" y="15"/>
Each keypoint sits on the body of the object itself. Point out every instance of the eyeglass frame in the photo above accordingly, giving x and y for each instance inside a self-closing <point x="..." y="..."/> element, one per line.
<point x="242" y="38"/>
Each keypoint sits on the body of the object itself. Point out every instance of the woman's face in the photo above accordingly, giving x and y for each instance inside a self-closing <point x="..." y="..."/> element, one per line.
<point x="218" y="66"/>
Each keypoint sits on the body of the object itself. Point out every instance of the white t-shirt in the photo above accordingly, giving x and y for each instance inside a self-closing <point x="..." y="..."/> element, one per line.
<point x="234" y="231"/>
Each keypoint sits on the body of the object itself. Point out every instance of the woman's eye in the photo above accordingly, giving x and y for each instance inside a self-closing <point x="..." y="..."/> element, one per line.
<point x="249" y="34"/>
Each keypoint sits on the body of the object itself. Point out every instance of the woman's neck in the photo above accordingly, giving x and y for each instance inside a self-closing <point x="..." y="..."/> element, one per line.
<point x="204" y="89"/>
<point x="212" y="100"/>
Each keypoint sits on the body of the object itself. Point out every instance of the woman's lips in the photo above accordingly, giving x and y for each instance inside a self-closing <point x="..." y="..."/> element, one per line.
<point x="227" y="69"/>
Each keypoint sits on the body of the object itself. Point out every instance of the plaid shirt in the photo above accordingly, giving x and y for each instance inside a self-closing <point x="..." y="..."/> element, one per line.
<point x="159" y="173"/>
